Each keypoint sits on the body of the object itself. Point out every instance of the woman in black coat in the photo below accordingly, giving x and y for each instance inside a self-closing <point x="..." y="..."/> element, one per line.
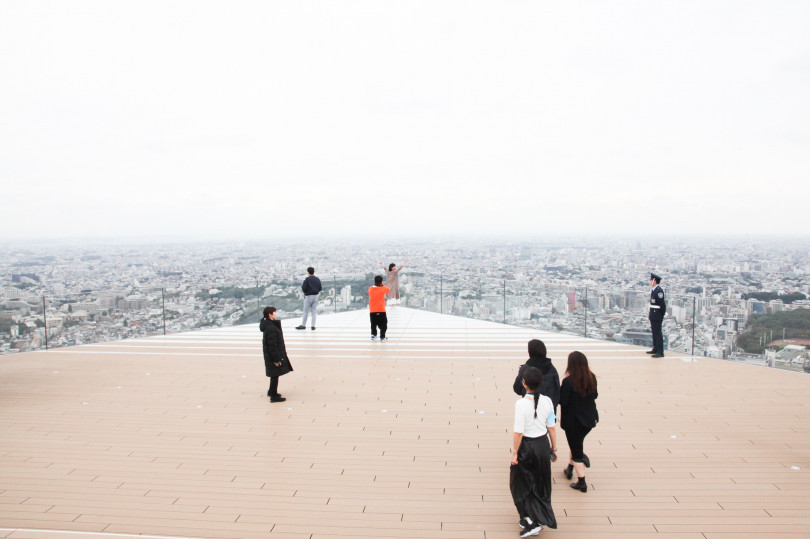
<point x="578" y="408"/>
<point x="551" y="380"/>
<point x="276" y="362"/>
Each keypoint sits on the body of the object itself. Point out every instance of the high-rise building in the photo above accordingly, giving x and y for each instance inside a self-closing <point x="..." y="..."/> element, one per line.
<point x="346" y="294"/>
<point x="10" y="292"/>
<point x="756" y="306"/>
<point x="525" y="253"/>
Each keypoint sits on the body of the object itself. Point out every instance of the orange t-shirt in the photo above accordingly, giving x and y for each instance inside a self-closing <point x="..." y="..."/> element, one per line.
<point x="376" y="298"/>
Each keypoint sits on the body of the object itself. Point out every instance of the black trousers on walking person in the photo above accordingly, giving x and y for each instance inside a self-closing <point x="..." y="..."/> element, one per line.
<point x="530" y="481"/>
<point x="575" y="435"/>
<point x="273" y="391"/>
<point x="656" y="321"/>
<point x="379" y="320"/>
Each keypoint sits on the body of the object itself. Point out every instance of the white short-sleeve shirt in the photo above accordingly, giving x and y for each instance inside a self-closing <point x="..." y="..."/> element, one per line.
<point x="525" y="422"/>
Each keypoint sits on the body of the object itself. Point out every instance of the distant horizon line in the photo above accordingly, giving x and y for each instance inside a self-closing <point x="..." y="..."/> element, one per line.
<point x="396" y="238"/>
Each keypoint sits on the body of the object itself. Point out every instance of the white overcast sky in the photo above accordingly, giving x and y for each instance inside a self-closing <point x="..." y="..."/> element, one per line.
<point x="262" y="119"/>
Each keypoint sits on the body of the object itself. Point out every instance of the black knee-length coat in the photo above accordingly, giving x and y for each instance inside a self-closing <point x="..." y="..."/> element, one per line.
<point x="273" y="348"/>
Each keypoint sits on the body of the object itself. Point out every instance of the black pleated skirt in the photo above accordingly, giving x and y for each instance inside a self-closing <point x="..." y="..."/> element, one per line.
<point x="530" y="481"/>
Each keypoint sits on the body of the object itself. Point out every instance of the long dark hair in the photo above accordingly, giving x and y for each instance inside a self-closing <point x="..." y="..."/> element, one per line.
<point x="391" y="266"/>
<point x="583" y="380"/>
<point x="537" y="348"/>
<point x="534" y="381"/>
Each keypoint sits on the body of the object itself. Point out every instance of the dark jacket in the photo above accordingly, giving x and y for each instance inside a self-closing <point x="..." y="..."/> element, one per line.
<point x="658" y="303"/>
<point x="312" y="286"/>
<point x="273" y="348"/>
<point x="577" y="408"/>
<point x="551" y="380"/>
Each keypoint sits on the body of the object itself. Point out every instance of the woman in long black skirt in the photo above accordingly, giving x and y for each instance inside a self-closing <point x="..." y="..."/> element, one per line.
<point x="532" y="455"/>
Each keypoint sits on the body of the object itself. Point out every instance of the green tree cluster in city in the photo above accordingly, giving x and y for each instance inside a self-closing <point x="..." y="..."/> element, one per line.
<point x="231" y="292"/>
<point x="796" y="325"/>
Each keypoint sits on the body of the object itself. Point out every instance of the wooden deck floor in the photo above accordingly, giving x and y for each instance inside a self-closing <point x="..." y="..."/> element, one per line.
<point x="174" y="436"/>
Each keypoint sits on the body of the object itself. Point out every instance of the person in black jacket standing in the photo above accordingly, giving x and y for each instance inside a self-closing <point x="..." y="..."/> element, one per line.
<point x="658" y="308"/>
<point x="276" y="362"/>
<point x="551" y="379"/>
<point x="311" y="288"/>
<point x="579" y="415"/>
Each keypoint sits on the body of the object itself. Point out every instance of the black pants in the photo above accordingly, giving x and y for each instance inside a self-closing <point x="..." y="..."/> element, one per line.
<point x="656" y="321"/>
<point x="575" y="435"/>
<point x="379" y="320"/>
<point x="530" y="481"/>
<point x="273" y="391"/>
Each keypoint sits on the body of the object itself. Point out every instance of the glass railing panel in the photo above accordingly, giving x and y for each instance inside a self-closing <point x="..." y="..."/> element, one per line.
<point x="92" y="317"/>
<point x="540" y="305"/>
<point x="422" y="291"/>
<point x="22" y="321"/>
<point x="340" y="292"/>
<point x="344" y="292"/>
<point x="618" y="315"/>
<point x="210" y="306"/>
<point x="31" y="322"/>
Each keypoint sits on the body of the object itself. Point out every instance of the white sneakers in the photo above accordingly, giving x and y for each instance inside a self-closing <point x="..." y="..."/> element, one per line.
<point x="529" y="528"/>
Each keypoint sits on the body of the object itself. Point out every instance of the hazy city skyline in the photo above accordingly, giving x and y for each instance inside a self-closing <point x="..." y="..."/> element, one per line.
<point x="204" y="120"/>
<point x="716" y="288"/>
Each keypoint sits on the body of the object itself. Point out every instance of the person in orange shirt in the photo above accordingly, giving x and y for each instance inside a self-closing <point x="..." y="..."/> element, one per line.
<point x="376" y="308"/>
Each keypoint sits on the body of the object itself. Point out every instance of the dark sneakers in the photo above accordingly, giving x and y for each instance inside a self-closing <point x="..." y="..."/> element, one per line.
<point x="313" y="328"/>
<point x="277" y="398"/>
<point x="532" y="529"/>
<point x="657" y="355"/>
<point x="300" y="327"/>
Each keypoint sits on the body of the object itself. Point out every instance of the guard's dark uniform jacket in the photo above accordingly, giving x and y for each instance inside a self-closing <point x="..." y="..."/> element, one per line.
<point x="658" y="308"/>
<point x="657" y="301"/>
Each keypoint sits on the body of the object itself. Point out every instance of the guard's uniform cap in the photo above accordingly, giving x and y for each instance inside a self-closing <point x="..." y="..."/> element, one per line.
<point x="656" y="277"/>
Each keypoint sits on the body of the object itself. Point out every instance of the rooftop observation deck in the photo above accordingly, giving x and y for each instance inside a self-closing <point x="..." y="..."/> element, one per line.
<point x="174" y="436"/>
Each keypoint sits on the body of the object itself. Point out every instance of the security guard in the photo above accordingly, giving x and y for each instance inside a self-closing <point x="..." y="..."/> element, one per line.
<point x="658" y="308"/>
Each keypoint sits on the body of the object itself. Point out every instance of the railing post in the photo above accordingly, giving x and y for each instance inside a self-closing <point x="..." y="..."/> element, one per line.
<point x="586" y="313"/>
<point x="163" y="301"/>
<point x="441" y="295"/>
<point x="694" y="321"/>
<point x="45" y="321"/>
<point x="504" y="301"/>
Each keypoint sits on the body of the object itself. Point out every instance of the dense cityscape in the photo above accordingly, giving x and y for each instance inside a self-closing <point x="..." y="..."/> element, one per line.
<point x="97" y="292"/>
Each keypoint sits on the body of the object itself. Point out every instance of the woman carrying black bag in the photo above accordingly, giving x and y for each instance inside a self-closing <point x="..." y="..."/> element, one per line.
<point x="276" y="362"/>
